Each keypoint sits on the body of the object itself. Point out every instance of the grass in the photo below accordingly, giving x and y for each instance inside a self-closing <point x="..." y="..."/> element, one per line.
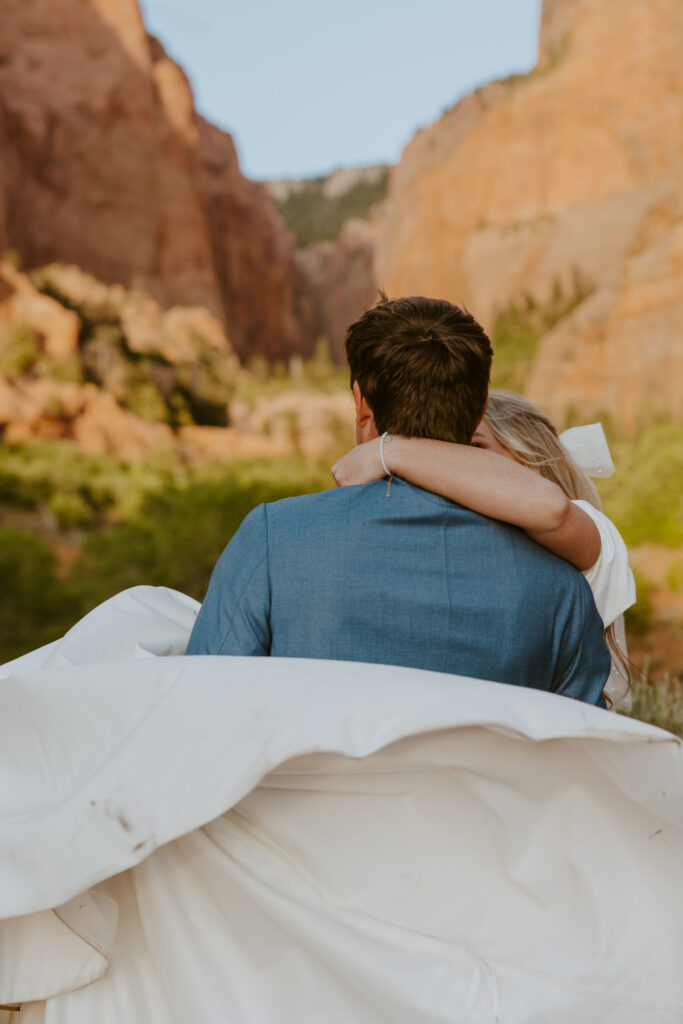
<point x="645" y="496"/>
<point x="521" y="325"/>
<point x="658" y="703"/>
<point x="130" y="523"/>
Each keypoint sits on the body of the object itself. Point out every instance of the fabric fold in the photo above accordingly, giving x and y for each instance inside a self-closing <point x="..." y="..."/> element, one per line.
<point x="51" y="952"/>
<point x="281" y="835"/>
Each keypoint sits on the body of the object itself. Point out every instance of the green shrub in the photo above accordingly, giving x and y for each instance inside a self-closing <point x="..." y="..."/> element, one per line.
<point x="514" y="339"/>
<point x="35" y="606"/>
<point x="638" y="618"/>
<point x="167" y="525"/>
<point x="181" y="531"/>
<point x="20" y="353"/>
<point x="109" y="488"/>
<point x="519" y="328"/>
<point x="67" y="369"/>
<point x="674" y="577"/>
<point x="144" y="399"/>
<point x="645" y="495"/>
<point x="71" y="510"/>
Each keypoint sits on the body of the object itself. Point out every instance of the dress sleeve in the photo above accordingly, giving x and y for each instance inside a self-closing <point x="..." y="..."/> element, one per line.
<point x="610" y="579"/>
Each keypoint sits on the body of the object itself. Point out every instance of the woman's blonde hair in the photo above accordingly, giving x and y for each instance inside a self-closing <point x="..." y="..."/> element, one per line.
<point x="524" y="430"/>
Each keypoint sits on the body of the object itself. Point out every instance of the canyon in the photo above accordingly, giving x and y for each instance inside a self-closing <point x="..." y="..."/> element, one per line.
<point x="553" y="200"/>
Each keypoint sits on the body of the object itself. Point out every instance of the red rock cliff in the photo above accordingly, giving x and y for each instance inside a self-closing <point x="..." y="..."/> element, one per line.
<point x="104" y="163"/>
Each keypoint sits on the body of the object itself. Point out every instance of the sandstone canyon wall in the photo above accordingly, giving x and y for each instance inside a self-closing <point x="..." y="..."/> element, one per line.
<point x="569" y="174"/>
<point x="104" y="163"/>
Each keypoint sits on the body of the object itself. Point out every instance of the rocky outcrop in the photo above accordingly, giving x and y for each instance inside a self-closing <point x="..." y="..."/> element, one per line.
<point x="620" y="351"/>
<point x="572" y="172"/>
<point x="337" y="284"/>
<point x="104" y="163"/>
<point x="111" y="370"/>
<point x="81" y="358"/>
<point x="22" y="305"/>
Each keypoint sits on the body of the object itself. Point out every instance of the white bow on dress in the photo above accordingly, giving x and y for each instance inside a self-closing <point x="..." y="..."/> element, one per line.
<point x="588" y="447"/>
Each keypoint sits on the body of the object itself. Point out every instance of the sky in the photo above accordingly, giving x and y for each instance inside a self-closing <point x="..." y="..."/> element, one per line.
<point x="306" y="86"/>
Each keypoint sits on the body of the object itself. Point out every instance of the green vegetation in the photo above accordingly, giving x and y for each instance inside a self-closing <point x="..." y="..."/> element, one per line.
<point x="313" y="216"/>
<point x="638" y="618"/>
<point x="163" y="525"/>
<point x="659" y="703"/>
<point x="318" y="373"/>
<point x="40" y="476"/>
<point x="181" y="531"/>
<point x="144" y="376"/>
<point x="20" y="353"/>
<point x="519" y="328"/>
<point x="110" y="490"/>
<point x="36" y="606"/>
<point x="515" y="337"/>
<point x="645" y="497"/>
<point x="164" y="522"/>
<point x="674" y="577"/>
<point x="65" y="369"/>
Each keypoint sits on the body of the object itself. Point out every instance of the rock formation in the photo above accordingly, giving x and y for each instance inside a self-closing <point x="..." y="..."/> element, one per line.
<point x="103" y="364"/>
<point x="569" y="174"/>
<point x="107" y="368"/>
<point x="104" y="163"/>
<point x="337" y="284"/>
<point x="331" y="219"/>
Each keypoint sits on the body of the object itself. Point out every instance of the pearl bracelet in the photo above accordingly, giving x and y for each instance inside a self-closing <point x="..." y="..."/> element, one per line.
<point x="385" y="437"/>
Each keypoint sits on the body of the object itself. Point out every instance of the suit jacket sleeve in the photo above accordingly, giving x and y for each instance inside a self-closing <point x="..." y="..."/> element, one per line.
<point x="584" y="660"/>
<point x="234" y="618"/>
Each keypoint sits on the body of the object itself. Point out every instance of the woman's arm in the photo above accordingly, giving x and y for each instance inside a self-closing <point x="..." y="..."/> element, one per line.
<point x="485" y="482"/>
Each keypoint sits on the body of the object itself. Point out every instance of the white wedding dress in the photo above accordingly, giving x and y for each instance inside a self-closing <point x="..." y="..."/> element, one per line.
<point x="282" y="841"/>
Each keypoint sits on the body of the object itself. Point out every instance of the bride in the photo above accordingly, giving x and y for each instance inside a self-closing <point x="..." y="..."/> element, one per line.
<point x="220" y="839"/>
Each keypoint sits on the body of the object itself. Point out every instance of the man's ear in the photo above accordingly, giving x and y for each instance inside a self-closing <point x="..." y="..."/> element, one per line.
<point x="365" y="420"/>
<point x="363" y="410"/>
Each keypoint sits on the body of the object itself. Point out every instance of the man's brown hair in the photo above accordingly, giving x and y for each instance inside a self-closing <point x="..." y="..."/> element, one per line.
<point x="423" y="366"/>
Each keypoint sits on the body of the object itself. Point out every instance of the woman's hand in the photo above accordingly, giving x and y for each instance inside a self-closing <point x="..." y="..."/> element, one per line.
<point x="361" y="465"/>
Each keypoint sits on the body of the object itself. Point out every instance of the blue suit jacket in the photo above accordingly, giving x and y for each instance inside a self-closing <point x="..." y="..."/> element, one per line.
<point x="410" y="579"/>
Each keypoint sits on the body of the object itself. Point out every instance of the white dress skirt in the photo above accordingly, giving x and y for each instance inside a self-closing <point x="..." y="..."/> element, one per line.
<point x="286" y="841"/>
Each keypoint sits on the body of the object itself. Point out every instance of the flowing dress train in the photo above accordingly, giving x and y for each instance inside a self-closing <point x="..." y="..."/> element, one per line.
<point x="255" y="840"/>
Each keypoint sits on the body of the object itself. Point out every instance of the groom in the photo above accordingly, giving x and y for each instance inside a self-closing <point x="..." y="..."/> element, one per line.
<point x="394" y="574"/>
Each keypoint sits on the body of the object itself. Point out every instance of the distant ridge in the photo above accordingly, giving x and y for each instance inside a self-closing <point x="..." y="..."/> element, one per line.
<point x="316" y="209"/>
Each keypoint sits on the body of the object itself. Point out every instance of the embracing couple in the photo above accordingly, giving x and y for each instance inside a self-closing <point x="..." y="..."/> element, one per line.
<point x="254" y="838"/>
<point x="412" y="573"/>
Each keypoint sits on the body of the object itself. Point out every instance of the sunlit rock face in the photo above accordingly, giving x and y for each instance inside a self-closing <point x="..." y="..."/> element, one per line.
<point x="563" y="181"/>
<point x="104" y="163"/>
<point x="106" y="366"/>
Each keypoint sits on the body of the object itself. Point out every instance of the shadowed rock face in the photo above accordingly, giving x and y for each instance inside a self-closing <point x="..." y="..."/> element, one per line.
<point x="337" y="284"/>
<point x="572" y="172"/>
<point x="104" y="163"/>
